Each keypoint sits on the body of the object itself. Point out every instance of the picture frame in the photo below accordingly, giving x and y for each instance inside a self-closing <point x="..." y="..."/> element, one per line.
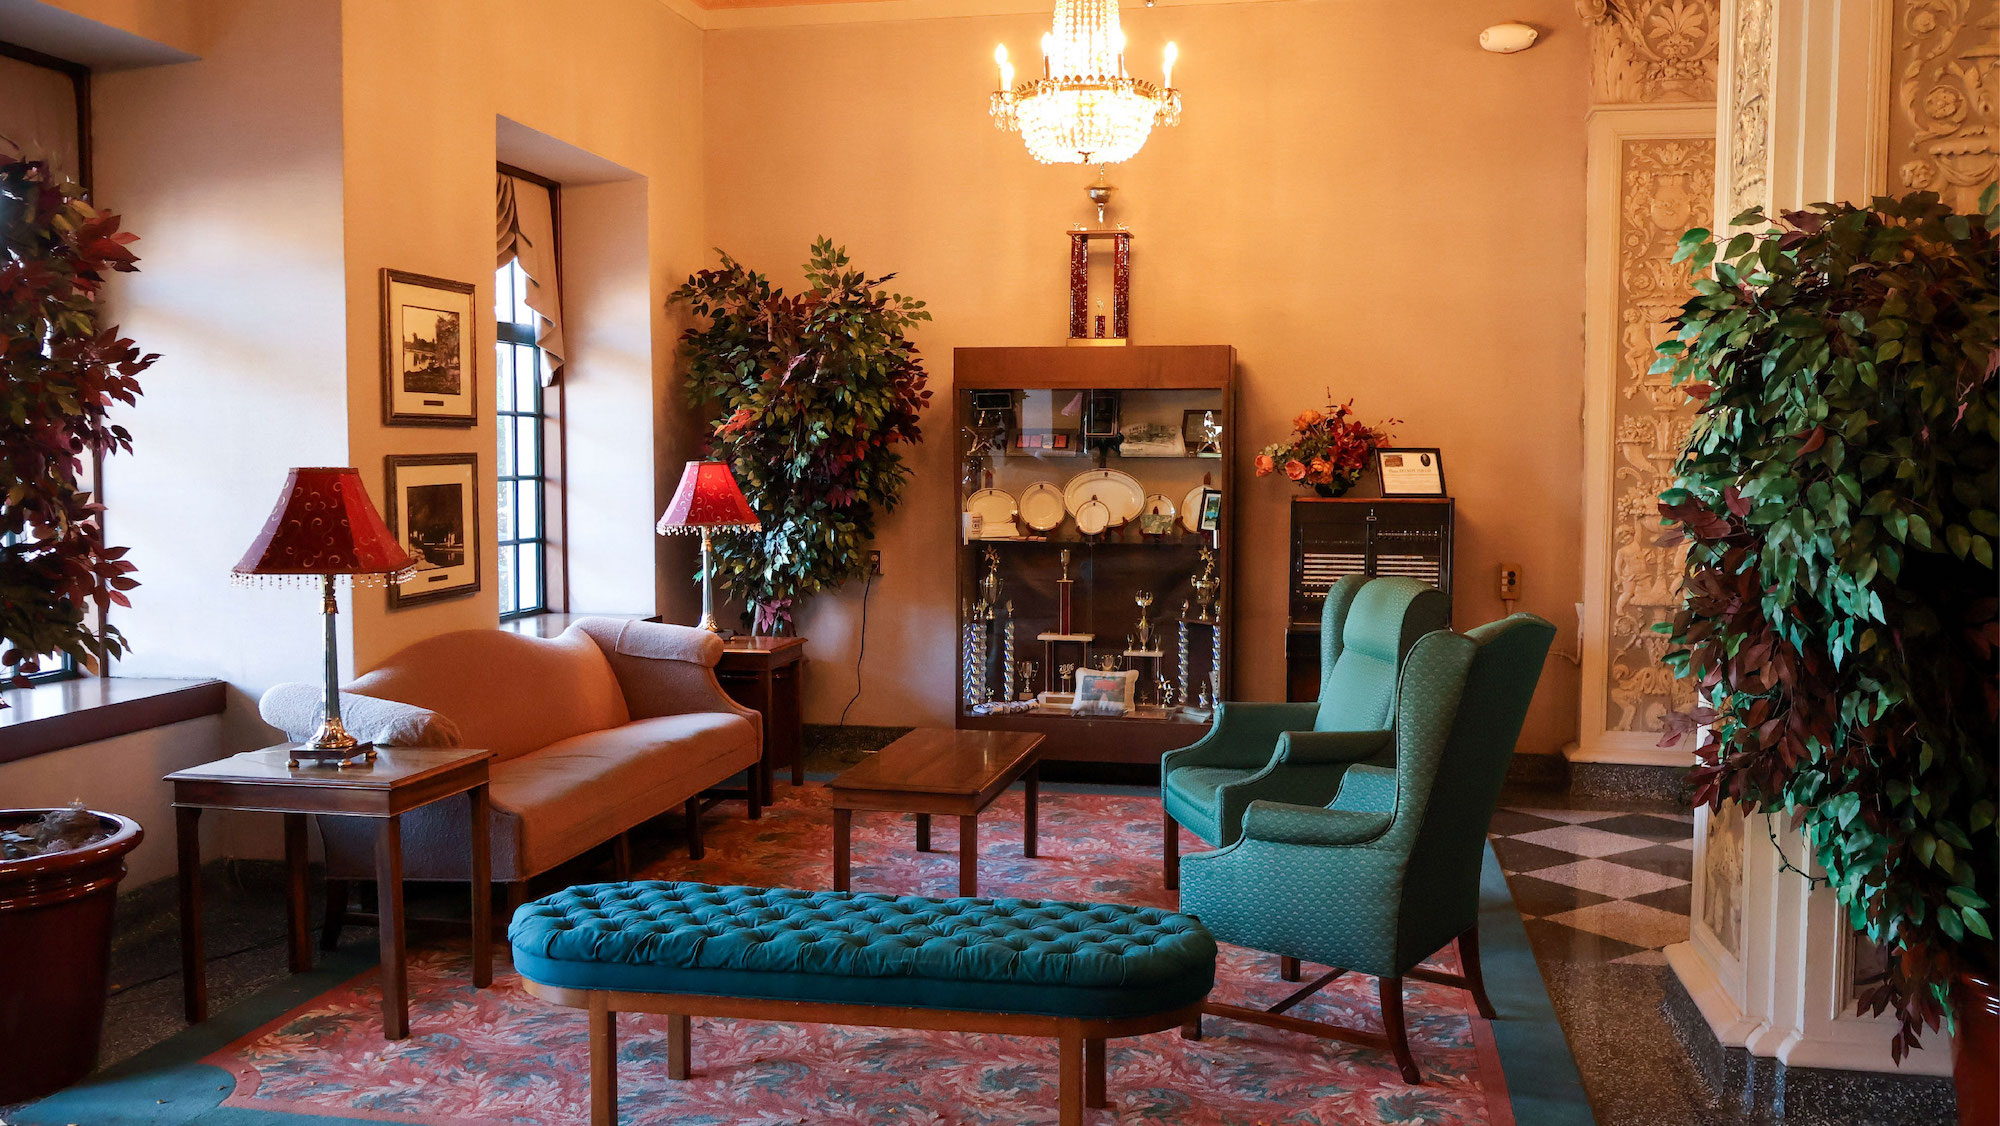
<point x="1105" y="693"/>
<point x="430" y="349"/>
<point x="1410" y="471"/>
<point x="1100" y="415"/>
<point x="1211" y="511"/>
<point x="1150" y="439"/>
<point x="1201" y="432"/>
<point x="433" y="510"/>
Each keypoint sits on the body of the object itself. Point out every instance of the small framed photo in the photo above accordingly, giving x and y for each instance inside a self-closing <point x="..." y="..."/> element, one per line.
<point x="1150" y="439"/>
<point x="429" y="345"/>
<point x="1100" y="415"/>
<point x="1104" y="693"/>
<point x="434" y="511"/>
<point x="1211" y="511"/>
<point x="1410" y="472"/>
<point x="1201" y="433"/>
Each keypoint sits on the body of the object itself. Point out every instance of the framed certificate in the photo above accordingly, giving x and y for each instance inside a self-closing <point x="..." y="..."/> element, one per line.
<point x="1410" y="472"/>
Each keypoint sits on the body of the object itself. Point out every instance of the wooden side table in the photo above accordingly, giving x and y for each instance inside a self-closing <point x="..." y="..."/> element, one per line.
<point x="399" y="780"/>
<point x="763" y="673"/>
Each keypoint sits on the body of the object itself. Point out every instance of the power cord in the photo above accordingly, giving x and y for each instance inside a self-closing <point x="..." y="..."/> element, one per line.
<point x="861" y="650"/>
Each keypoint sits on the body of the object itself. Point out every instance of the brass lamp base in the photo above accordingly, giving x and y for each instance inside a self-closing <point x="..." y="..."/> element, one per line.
<point x="360" y="754"/>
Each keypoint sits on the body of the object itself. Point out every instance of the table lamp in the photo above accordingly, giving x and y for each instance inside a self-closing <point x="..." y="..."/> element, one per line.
<point x="325" y="527"/>
<point x="707" y="499"/>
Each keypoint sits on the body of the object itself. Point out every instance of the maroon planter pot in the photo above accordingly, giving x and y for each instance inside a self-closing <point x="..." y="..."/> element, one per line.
<point x="55" y="953"/>
<point x="1976" y="1050"/>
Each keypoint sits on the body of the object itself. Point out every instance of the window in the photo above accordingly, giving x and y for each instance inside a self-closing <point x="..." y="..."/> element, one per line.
<point x="524" y="481"/>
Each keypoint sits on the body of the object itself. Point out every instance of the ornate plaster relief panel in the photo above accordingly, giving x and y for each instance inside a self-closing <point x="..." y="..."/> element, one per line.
<point x="1747" y="174"/>
<point x="1667" y="186"/>
<point x="1946" y="98"/>
<point x="1647" y="51"/>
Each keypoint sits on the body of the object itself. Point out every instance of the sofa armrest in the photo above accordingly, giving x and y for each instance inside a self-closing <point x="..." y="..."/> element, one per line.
<point x="665" y="669"/>
<point x="295" y="710"/>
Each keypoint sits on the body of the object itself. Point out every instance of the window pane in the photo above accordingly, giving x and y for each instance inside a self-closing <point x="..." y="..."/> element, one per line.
<point x="505" y="461"/>
<point x="508" y="601"/>
<point x="527" y="512"/>
<point x="504" y="378"/>
<point x="506" y="530"/>
<point x="527" y="435"/>
<point x="527" y="378"/>
<point x="531" y="578"/>
<point x="503" y="291"/>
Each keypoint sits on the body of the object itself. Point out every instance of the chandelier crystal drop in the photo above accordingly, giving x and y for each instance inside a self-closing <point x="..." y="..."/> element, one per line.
<point x="1084" y="109"/>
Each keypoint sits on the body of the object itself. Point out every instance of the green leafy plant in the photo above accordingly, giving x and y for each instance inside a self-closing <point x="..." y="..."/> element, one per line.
<point x="63" y="372"/>
<point x="1837" y="498"/>
<point x="813" y="395"/>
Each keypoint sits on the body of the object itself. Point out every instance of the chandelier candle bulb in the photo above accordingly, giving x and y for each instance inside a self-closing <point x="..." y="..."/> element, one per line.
<point x="1173" y="54"/>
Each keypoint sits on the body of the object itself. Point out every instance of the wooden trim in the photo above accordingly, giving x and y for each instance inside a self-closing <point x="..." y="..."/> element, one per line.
<point x="84" y="720"/>
<point x="858" y="1015"/>
<point x="1134" y="367"/>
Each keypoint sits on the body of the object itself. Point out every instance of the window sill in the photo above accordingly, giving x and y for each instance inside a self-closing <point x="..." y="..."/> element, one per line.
<point x="68" y="713"/>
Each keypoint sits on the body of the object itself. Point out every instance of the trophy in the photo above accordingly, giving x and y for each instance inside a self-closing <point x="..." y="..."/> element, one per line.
<point x="1026" y="691"/>
<point x="989" y="585"/>
<point x="1063" y="587"/>
<point x="1143" y="632"/>
<point x="1206" y="587"/>
<point x="1211" y="436"/>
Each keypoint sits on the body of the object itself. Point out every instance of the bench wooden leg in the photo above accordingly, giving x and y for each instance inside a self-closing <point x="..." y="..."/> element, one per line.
<point x="923" y="832"/>
<point x="680" y="1049"/>
<point x="603" y="1064"/>
<point x="1069" y="1076"/>
<point x="1093" y="1074"/>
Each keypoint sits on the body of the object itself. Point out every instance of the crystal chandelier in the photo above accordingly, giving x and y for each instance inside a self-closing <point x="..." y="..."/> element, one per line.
<point x="1084" y="109"/>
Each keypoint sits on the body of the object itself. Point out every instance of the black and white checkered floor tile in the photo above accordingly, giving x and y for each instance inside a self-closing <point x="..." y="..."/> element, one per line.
<point x="1598" y="886"/>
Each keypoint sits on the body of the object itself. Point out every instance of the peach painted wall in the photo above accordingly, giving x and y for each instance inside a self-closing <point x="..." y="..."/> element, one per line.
<point x="423" y="86"/>
<point x="1359" y="199"/>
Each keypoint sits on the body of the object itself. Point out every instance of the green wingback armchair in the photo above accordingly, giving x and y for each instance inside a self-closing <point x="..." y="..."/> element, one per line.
<point x="1297" y="752"/>
<point x="1388" y="873"/>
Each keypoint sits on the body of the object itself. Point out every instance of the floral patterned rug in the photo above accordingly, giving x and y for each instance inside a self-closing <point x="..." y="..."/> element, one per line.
<point x="501" y="1056"/>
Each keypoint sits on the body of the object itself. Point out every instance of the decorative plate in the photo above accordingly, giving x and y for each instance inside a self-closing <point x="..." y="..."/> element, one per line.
<point x="1042" y="507"/>
<point x="994" y="506"/>
<point x="1120" y="493"/>
<point x="1092" y="516"/>
<point x="1158" y="504"/>
<point x="1191" y="508"/>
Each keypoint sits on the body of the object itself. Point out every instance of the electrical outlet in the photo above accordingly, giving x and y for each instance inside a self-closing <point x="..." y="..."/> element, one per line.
<point x="874" y="562"/>
<point x="1510" y="581"/>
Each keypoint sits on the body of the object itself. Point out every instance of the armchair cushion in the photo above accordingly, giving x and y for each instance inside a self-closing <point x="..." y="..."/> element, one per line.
<point x="1279" y="823"/>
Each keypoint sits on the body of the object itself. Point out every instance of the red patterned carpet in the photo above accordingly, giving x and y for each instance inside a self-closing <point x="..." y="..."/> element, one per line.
<point x="501" y="1056"/>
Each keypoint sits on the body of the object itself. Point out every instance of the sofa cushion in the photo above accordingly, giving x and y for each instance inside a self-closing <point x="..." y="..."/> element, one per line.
<point x="980" y="955"/>
<point x="578" y="792"/>
<point x="507" y="693"/>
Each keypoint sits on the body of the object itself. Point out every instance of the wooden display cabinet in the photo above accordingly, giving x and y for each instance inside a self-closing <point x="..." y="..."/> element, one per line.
<point x="1035" y="412"/>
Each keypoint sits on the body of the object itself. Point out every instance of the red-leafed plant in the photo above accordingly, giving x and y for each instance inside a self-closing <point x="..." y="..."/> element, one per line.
<point x="63" y="371"/>
<point x="1837" y="495"/>
<point x="1328" y="450"/>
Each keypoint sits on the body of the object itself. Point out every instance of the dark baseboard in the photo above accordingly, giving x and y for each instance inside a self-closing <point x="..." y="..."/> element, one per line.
<point x="1756" y="1089"/>
<point x="1620" y="782"/>
<point x="1538" y="772"/>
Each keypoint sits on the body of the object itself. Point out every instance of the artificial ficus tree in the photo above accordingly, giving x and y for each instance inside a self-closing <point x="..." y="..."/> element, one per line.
<point x="1837" y="496"/>
<point x="64" y="370"/>
<point x="813" y="395"/>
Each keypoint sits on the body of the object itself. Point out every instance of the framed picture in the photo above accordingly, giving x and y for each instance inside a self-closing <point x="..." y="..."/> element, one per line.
<point x="1150" y="439"/>
<point x="1201" y="433"/>
<point x="1100" y="415"/>
<point x="1211" y="511"/>
<point x="1104" y="693"/>
<point x="429" y="341"/>
<point x="1410" y="472"/>
<point x="434" y="511"/>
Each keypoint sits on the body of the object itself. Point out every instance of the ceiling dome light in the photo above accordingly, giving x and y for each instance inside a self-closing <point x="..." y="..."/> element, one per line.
<point x="1084" y="109"/>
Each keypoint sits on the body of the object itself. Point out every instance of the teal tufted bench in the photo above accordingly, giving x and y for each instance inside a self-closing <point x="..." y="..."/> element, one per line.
<point x="1079" y="972"/>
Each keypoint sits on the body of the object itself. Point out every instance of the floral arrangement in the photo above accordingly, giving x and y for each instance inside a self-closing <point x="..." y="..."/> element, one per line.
<point x="1328" y="449"/>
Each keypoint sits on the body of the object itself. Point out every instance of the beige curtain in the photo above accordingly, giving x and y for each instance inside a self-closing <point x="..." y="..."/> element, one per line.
<point x="527" y="231"/>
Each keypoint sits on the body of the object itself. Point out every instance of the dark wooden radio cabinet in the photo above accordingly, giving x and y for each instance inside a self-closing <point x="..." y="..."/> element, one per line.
<point x="1337" y="536"/>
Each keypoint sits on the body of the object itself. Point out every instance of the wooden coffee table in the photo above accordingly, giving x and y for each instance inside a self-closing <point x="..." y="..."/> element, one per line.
<point x="935" y="772"/>
<point x="399" y="780"/>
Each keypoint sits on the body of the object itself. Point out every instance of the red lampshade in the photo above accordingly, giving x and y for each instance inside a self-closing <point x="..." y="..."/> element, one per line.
<point x="707" y="498"/>
<point x="324" y="524"/>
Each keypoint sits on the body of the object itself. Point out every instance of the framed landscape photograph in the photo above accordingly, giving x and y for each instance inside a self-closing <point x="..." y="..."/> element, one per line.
<point x="429" y="336"/>
<point x="434" y="512"/>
